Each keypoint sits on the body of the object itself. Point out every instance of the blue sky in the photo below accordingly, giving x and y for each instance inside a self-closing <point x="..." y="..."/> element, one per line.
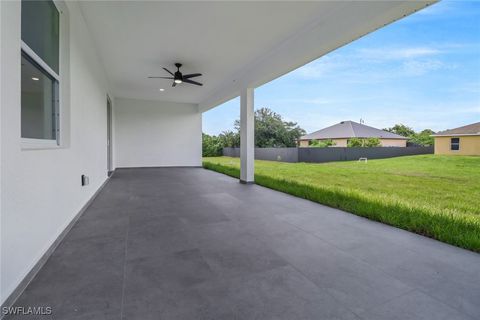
<point x="422" y="71"/>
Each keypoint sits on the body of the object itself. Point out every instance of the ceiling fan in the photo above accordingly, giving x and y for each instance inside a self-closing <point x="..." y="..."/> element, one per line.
<point x="178" y="77"/>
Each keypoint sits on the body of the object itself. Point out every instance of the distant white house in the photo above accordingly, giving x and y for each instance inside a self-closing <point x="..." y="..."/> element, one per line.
<point x="341" y="132"/>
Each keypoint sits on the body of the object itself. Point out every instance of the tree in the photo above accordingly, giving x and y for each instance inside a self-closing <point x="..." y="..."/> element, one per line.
<point x="230" y="139"/>
<point x="423" y="138"/>
<point x="322" y="143"/>
<point x="367" y="143"/>
<point x="211" y="146"/>
<point x="272" y="131"/>
<point x="401" y="129"/>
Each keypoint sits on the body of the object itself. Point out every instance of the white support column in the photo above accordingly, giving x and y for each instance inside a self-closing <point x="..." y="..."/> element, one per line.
<point x="247" y="134"/>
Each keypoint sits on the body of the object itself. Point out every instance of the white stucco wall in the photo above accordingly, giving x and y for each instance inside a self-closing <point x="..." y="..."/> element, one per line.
<point x="40" y="189"/>
<point x="157" y="134"/>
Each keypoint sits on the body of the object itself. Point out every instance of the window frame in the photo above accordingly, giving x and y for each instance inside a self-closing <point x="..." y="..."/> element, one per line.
<point x="454" y="143"/>
<point x="33" y="143"/>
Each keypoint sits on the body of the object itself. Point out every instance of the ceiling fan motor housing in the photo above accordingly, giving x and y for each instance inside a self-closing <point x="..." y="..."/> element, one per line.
<point x="178" y="74"/>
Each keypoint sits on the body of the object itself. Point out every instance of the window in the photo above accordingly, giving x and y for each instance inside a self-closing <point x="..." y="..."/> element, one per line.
<point x="455" y="144"/>
<point x="39" y="101"/>
<point x="40" y="69"/>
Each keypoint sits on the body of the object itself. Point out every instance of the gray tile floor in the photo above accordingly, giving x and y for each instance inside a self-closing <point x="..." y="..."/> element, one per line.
<point x="187" y="243"/>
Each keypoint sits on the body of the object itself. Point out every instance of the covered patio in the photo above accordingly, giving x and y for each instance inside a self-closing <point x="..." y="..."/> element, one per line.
<point x="163" y="238"/>
<point x="187" y="243"/>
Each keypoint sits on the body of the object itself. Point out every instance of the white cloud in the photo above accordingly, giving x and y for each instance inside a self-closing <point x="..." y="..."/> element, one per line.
<point x="324" y="66"/>
<point x="329" y="102"/>
<point x="421" y="67"/>
<point x="474" y="109"/>
<point x="378" y="63"/>
<point x="318" y="101"/>
<point x="469" y="87"/>
<point x="399" y="53"/>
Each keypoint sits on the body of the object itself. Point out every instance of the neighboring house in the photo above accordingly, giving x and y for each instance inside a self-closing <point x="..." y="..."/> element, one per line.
<point x="341" y="132"/>
<point x="464" y="140"/>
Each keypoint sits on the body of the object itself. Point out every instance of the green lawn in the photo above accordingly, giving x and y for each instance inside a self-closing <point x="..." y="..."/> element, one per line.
<point x="436" y="196"/>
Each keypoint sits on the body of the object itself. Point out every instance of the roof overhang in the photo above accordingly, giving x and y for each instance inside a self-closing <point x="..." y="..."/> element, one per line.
<point x="381" y="138"/>
<point x="234" y="44"/>
<point x="455" y="135"/>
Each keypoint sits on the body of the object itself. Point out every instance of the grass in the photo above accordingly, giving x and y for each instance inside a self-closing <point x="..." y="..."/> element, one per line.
<point x="435" y="196"/>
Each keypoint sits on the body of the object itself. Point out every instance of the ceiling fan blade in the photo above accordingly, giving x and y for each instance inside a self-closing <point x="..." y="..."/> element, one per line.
<point x="192" y="82"/>
<point x="168" y="71"/>
<point x="160" y="78"/>
<point x="192" y="75"/>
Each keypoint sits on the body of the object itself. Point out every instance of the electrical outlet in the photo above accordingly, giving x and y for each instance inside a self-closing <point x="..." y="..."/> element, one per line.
<point x="85" y="180"/>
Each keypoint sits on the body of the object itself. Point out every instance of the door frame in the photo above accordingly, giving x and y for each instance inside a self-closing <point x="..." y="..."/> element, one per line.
<point x="109" y="136"/>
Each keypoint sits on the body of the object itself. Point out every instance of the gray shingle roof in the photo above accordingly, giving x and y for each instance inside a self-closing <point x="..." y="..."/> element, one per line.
<point x="473" y="128"/>
<point x="351" y="129"/>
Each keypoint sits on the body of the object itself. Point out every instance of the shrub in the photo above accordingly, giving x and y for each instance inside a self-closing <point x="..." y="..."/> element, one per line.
<point x="322" y="143"/>
<point x="367" y="143"/>
<point x="372" y="142"/>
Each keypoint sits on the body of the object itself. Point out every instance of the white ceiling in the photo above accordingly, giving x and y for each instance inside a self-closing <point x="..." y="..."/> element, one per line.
<point x="232" y="43"/>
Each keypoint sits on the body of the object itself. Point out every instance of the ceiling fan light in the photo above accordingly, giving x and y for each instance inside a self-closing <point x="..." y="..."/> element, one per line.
<point x="178" y="81"/>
